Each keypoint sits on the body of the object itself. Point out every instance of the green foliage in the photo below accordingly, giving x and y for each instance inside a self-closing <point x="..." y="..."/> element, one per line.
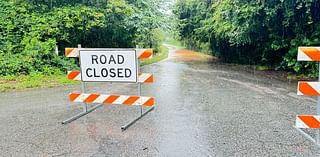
<point x="30" y="30"/>
<point x="250" y="31"/>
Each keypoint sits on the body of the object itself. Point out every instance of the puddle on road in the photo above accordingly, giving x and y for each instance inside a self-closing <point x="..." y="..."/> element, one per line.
<point x="189" y="56"/>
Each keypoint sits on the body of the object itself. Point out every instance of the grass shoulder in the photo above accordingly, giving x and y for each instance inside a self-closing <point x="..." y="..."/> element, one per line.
<point x="36" y="80"/>
<point x="161" y="55"/>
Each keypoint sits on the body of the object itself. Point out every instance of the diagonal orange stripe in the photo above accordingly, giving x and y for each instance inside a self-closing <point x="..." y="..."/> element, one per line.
<point x="149" y="80"/>
<point x="146" y="54"/>
<point x="311" y="52"/>
<point x="150" y="102"/>
<point x="73" y="96"/>
<point x="91" y="98"/>
<point x="310" y="121"/>
<point x="306" y="89"/>
<point x="73" y="74"/>
<point x="131" y="100"/>
<point x="67" y="51"/>
<point x="110" y="99"/>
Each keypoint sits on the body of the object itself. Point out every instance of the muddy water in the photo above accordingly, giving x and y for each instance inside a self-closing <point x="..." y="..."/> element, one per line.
<point x="203" y="108"/>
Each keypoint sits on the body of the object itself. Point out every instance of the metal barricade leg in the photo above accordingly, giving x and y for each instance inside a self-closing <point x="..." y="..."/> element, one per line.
<point x="81" y="114"/>
<point x="125" y="127"/>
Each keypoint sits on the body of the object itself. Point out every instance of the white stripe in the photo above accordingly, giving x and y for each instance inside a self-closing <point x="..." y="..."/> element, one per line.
<point x="302" y="56"/>
<point x="121" y="99"/>
<point x="141" y="101"/>
<point x="81" y="97"/>
<point x="300" y="123"/>
<point x="143" y="77"/>
<point x="73" y="53"/>
<point x="315" y="85"/>
<point x="78" y="77"/>
<point x="101" y="99"/>
<point x="298" y="90"/>
<point x="139" y="52"/>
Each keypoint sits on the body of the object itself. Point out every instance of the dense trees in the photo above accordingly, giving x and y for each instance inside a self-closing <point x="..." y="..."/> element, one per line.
<point x="31" y="29"/>
<point x="265" y="32"/>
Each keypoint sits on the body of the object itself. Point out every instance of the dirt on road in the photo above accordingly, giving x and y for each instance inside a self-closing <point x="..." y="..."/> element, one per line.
<point x="203" y="108"/>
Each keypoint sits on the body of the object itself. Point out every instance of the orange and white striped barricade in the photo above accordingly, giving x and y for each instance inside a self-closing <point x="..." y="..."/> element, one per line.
<point x="309" y="89"/>
<point x="111" y="99"/>
<point x="309" y="54"/>
<point x="109" y="65"/>
<point x="142" y="77"/>
<point x="141" y="53"/>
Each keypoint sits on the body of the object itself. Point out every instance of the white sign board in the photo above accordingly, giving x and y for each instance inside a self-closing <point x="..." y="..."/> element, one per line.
<point x="108" y="65"/>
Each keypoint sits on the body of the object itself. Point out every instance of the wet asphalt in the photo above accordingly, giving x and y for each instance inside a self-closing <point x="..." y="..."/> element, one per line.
<point x="203" y="108"/>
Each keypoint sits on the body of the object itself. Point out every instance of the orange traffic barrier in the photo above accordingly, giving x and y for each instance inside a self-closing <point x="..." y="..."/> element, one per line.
<point x="309" y="54"/>
<point x="141" y="54"/>
<point x="308" y="121"/>
<point x="143" y="77"/>
<point x="146" y="53"/>
<point x="71" y="52"/>
<point x="309" y="88"/>
<point x="111" y="99"/>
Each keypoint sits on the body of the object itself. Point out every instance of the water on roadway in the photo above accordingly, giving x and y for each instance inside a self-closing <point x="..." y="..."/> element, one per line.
<point x="203" y="108"/>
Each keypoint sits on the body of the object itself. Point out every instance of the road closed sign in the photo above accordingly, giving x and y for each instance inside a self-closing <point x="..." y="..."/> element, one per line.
<point x="108" y="65"/>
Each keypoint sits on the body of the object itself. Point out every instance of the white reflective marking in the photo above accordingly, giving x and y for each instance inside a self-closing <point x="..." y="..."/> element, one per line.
<point x="302" y="56"/>
<point x="81" y="98"/>
<point x="101" y="98"/>
<point x="121" y="99"/>
<point x="141" y="101"/>
<point x="300" y="123"/>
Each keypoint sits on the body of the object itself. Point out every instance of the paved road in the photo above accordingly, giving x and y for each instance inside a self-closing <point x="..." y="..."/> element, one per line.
<point x="203" y="109"/>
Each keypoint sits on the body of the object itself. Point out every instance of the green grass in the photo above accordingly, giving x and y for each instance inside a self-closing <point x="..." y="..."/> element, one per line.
<point x="163" y="54"/>
<point x="15" y="83"/>
<point x="38" y="80"/>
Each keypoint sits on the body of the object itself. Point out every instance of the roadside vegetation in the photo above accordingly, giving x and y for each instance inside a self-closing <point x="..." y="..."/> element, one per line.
<point x="257" y="32"/>
<point x="34" y="34"/>
<point x="161" y="55"/>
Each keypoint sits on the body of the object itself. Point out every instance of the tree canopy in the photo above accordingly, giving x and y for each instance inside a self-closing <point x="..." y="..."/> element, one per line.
<point x="264" y="32"/>
<point x="31" y="29"/>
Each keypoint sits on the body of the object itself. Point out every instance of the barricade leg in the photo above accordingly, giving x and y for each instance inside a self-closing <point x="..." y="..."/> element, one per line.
<point x="125" y="127"/>
<point x="306" y="135"/>
<point x="81" y="114"/>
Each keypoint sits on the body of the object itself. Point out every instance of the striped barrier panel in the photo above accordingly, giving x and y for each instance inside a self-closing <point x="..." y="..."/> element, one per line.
<point x="308" y="121"/>
<point x="143" y="77"/>
<point x="141" y="53"/>
<point x="111" y="99"/>
<point x="309" y="88"/>
<point x="309" y="54"/>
